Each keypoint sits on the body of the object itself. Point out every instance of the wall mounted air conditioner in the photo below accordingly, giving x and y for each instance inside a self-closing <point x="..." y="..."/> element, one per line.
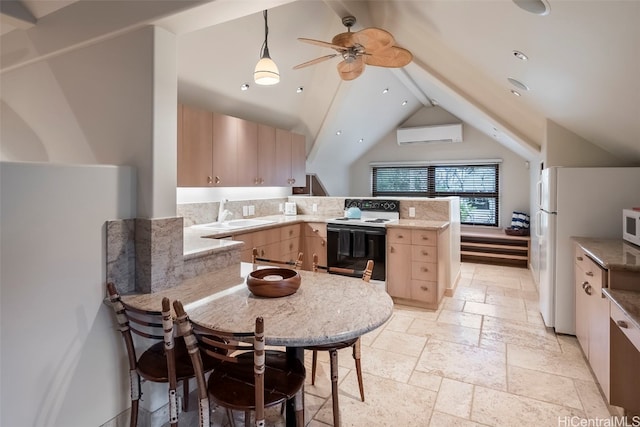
<point x="425" y="134"/>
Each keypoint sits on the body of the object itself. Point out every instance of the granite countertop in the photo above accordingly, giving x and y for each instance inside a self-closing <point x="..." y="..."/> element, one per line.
<point x="423" y="224"/>
<point x="201" y="242"/>
<point x="320" y="312"/>
<point x="612" y="254"/>
<point x="627" y="301"/>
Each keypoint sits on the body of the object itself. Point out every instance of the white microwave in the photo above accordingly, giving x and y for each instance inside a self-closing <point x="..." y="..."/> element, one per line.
<point x="631" y="225"/>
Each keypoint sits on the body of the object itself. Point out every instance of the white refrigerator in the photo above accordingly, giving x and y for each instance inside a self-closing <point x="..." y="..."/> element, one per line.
<point x="584" y="202"/>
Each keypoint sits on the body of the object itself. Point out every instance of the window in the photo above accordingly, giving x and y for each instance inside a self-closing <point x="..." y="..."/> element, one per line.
<point x="476" y="185"/>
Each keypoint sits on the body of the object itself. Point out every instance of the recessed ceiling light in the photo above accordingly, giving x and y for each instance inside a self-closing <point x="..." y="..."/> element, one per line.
<point x="299" y="89"/>
<point x="244" y="86"/>
<point x="361" y="140"/>
<point x="537" y="7"/>
<point x="518" y="84"/>
<point x="521" y="56"/>
<point x="385" y="90"/>
<point x="515" y="92"/>
<point x="339" y="132"/>
<point x="405" y="102"/>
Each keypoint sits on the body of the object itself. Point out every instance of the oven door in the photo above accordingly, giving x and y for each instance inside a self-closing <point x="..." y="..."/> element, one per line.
<point x="351" y="246"/>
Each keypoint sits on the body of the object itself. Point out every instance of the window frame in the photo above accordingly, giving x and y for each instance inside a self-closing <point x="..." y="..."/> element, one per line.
<point x="431" y="168"/>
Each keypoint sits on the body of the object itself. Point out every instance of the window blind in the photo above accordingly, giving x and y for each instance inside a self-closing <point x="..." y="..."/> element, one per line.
<point x="477" y="185"/>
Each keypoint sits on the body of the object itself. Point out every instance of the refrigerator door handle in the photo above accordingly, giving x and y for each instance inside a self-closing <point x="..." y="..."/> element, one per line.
<point x="538" y="227"/>
<point x="539" y="193"/>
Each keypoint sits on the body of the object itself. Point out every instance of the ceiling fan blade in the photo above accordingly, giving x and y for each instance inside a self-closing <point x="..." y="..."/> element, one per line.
<point x="323" y="44"/>
<point x="349" y="71"/>
<point x="315" y="61"/>
<point x="392" y="57"/>
<point x="373" y="39"/>
<point x="343" y="39"/>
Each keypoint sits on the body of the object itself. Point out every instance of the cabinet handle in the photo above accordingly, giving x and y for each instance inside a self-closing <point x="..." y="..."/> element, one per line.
<point x="425" y="253"/>
<point x="293" y="180"/>
<point x="579" y="258"/>
<point x="322" y="243"/>
<point x="622" y="324"/>
<point x="424" y="288"/>
<point x="315" y="230"/>
<point x="400" y="236"/>
<point x="587" y="289"/>
<point x="425" y="269"/>
<point x="209" y="180"/>
<point x="425" y="238"/>
<point x="391" y="250"/>
<point x="584" y="284"/>
<point x="218" y="180"/>
<point x="589" y="273"/>
<point x="290" y="246"/>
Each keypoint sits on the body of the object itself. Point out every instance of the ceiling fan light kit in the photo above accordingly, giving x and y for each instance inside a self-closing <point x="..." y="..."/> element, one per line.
<point x="370" y="46"/>
<point x="266" y="72"/>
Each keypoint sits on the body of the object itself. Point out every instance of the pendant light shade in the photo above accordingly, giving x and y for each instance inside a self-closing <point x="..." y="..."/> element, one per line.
<point x="266" y="71"/>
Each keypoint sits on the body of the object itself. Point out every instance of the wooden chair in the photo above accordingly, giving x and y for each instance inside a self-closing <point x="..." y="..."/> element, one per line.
<point x="249" y="378"/>
<point x="256" y="259"/>
<point x="166" y="360"/>
<point x="334" y="347"/>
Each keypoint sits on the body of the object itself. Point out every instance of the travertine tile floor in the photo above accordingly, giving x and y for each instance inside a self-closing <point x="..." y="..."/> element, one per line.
<point x="483" y="358"/>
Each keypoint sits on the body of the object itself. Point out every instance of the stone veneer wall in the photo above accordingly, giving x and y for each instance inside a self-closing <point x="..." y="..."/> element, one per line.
<point x="147" y="255"/>
<point x="202" y="213"/>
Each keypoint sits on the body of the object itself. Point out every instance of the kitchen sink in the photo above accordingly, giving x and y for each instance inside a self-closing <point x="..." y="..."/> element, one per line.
<point x="234" y="224"/>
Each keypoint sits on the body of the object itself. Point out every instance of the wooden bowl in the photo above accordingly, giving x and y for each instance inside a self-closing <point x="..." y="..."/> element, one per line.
<point x="273" y="282"/>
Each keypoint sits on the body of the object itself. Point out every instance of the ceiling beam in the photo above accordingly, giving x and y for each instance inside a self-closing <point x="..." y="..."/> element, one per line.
<point x="16" y="14"/>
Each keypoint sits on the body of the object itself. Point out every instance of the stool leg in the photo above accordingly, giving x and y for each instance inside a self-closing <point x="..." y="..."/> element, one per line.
<point x="314" y="363"/>
<point x="299" y="405"/>
<point x="334" y="386"/>
<point x="185" y="395"/>
<point x="356" y="357"/>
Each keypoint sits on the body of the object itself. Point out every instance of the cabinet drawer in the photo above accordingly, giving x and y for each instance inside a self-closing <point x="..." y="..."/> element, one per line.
<point x="580" y="257"/>
<point x="289" y="231"/>
<point x="423" y="254"/>
<point x="424" y="237"/>
<point x="424" y="271"/>
<point x="595" y="275"/>
<point x="422" y="290"/>
<point x="261" y="238"/>
<point x="289" y="246"/>
<point x="399" y="235"/>
<point x="312" y="229"/>
<point x="623" y="323"/>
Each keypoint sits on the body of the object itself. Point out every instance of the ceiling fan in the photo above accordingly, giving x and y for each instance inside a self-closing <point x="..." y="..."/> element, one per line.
<point x="371" y="46"/>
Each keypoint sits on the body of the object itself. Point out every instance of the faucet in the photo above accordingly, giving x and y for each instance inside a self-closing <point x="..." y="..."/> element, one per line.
<point x="222" y="212"/>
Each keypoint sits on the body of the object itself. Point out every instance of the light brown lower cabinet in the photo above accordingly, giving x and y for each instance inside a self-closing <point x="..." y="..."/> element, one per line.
<point x="414" y="275"/>
<point x="625" y="362"/>
<point x="278" y="243"/>
<point x="315" y="242"/>
<point x="592" y="316"/>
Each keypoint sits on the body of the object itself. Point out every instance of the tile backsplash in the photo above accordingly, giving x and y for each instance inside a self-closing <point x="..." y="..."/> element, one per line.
<point x="202" y="213"/>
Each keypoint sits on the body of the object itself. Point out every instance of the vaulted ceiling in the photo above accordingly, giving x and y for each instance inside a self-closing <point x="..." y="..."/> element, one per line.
<point x="582" y="71"/>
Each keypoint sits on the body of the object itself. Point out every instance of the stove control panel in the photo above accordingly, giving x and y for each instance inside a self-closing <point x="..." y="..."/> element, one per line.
<point x="379" y="205"/>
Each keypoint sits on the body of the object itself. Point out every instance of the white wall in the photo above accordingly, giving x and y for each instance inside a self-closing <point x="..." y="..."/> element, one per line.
<point x="62" y="355"/>
<point x="514" y="172"/>
<point x="112" y="102"/>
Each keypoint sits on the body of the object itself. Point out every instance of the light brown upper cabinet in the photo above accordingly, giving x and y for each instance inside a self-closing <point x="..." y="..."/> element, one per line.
<point x="266" y="155"/>
<point x="216" y="150"/>
<point x="195" y="148"/>
<point x="290" y="159"/>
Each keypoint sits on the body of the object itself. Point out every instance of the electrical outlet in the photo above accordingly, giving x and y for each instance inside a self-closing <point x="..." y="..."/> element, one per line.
<point x="412" y="212"/>
<point x="280" y="207"/>
<point x="252" y="210"/>
<point x="314" y="207"/>
<point x="245" y="210"/>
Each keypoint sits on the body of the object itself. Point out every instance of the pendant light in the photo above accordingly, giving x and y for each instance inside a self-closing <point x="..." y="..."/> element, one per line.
<point x="266" y="72"/>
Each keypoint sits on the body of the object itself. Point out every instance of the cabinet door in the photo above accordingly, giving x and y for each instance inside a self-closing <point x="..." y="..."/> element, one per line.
<point x="247" y="155"/>
<point x="225" y="153"/>
<point x="599" y="340"/>
<point x="266" y="155"/>
<point x="314" y="245"/>
<point x="582" y="310"/>
<point x="399" y="270"/>
<point x="298" y="160"/>
<point x="283" y="158"/>
<point x="195" y="149"/>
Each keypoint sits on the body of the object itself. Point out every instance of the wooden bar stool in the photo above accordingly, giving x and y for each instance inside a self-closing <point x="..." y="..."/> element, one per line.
<point x="334" y="347"/>
<point x="249" y="378"/>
